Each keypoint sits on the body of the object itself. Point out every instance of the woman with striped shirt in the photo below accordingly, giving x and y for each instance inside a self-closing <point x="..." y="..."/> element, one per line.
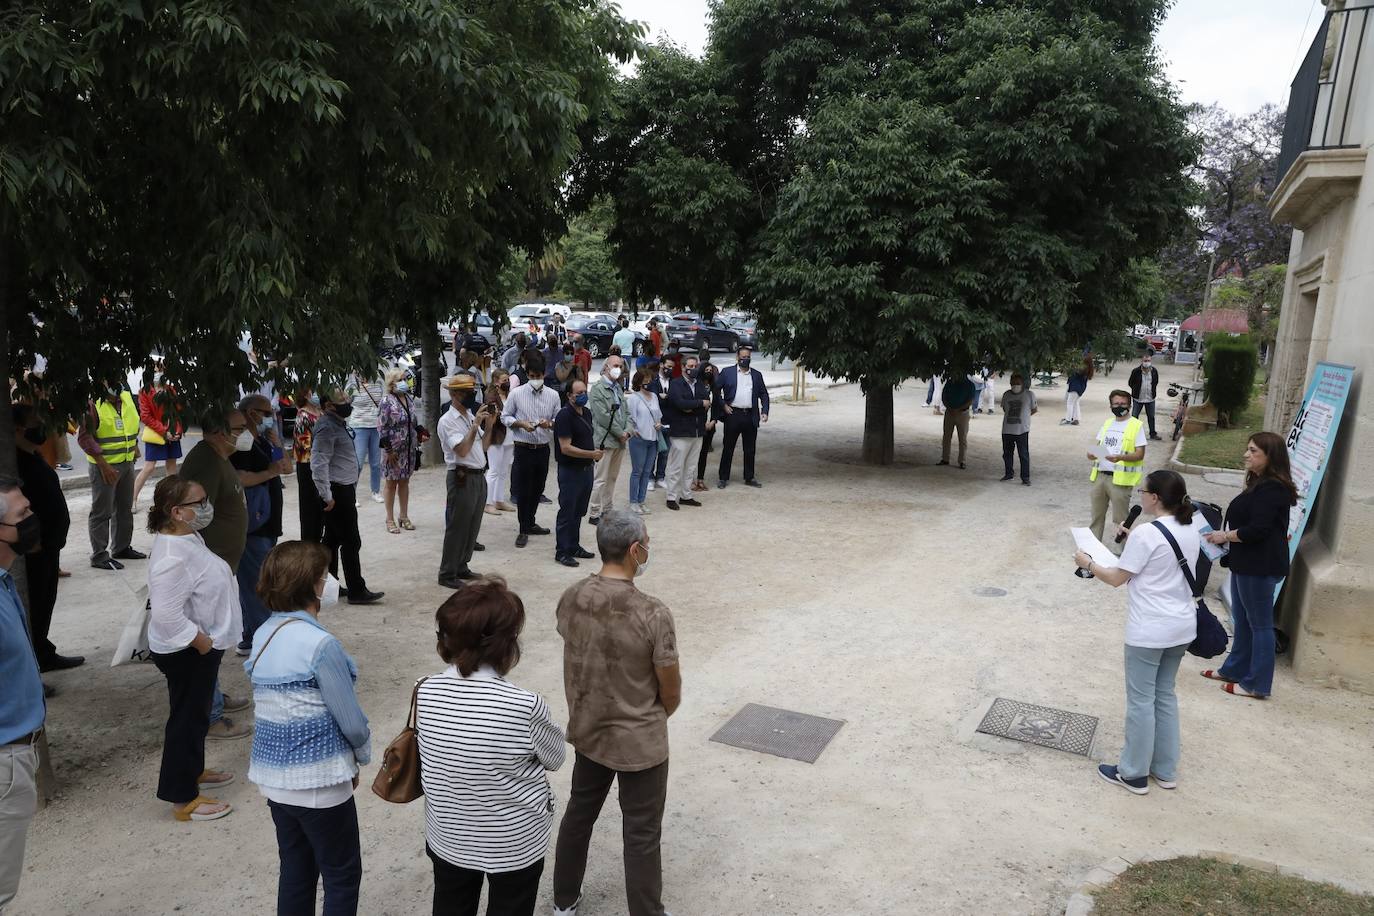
<point x="485" y="745"/>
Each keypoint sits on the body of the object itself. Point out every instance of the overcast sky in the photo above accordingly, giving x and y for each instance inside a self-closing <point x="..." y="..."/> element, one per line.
<point x="1239" y="53"/>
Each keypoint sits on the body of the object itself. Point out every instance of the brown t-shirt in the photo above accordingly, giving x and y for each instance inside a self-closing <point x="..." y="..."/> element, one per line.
<point x="614" y="636"/>
<point x="227" y="533"/>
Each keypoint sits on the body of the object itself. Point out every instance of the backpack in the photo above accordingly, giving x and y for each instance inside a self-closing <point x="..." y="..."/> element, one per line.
<point x="1211" y="636"/>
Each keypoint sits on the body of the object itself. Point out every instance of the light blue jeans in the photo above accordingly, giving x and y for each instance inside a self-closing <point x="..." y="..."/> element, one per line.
<point x="367" y="444"/>
<point x="643" y="454"/>
<point x="1152" y="740"/>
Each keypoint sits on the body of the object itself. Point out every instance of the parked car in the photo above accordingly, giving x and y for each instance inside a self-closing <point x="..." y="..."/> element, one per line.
<point x="747" y="329"/>
<point x="598" y="335"/>
<point x="692" y="332"/>
<point x="485" y="327"/>
<point x="642" y="325"/>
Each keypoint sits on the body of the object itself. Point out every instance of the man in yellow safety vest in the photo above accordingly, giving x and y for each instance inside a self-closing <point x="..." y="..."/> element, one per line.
<point x="1118" y="462"/>
<point x="109" y="437"/>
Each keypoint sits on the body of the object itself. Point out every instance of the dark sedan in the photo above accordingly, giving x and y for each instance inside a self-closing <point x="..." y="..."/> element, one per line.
<point x="747" y="329"/>
<point x="598" y="335"/>
<point x="692" y="332"/>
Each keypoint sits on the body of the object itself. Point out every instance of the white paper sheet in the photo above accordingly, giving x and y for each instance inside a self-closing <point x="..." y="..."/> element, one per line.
<point x="1098" y="450"/>
<point x="1086" y="541"/>
<point x="1213" y="552"/>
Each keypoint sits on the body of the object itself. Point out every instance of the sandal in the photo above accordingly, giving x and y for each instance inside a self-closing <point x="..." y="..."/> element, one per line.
<point x="392" y="527"/>
<point x="1236" y="690"/>
<point x="214" y="779"/>
<point x="1212" y="675"/>
<point x="191" y="810"/>
<point x="407" y="524"/>
<point x="490" y="509"/>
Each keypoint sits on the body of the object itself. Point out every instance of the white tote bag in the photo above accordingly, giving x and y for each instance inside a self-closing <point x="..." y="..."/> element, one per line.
<point x="133" y="641"/>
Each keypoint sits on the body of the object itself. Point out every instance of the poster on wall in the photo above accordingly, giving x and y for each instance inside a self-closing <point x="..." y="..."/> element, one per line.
<point x="1311" y="439"/>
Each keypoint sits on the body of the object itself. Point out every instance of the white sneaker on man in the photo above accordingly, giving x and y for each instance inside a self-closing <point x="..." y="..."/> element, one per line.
<point x="570" y="911"/>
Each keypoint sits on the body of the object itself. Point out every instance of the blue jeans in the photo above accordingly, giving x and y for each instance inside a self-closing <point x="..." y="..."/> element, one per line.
<point x="660" y="466"/>
<point x="1152" y="742"/>
<point x="315" y="843"/>
<point x="1251" y="662"/>
<point x="574" y="494"/>
<point x="977" y="398"/>
<point x="367" y="445"/>
<point x="255" y="613"/>
<point x="643" y="454"/>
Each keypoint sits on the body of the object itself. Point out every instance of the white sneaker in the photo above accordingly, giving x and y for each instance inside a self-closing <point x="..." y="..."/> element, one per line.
<point x="376" y="497"/>
<point x="651" y="485"/>
<point x="645" y="510"/>
<point x="570" y="911"/>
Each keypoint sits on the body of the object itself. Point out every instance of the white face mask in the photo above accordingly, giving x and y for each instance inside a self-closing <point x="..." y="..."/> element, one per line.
<point x="613" y="373"/>
<point x="330" y="595"/>
<point x="243" y="442"/>
<point x="536" y="383"/>
<point x="643" y="564"/>
<point x="204" y="515"/>
<point x="1016" y="389"/>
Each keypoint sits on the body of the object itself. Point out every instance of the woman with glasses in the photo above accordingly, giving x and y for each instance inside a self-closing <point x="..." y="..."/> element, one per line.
<point x="194" y="616"/>
<point x="1161" y="621"/>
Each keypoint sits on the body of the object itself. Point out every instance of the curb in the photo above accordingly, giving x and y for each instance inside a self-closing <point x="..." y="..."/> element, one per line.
<point x="1081" y="902"/>
<point x="1193" y="468"/>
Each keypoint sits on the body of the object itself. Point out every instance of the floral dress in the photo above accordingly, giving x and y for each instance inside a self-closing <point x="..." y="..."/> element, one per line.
<point x="396" y="424"/>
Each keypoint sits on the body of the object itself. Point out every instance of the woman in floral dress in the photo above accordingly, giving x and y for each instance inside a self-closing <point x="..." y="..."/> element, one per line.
<point x="396" y="425"/>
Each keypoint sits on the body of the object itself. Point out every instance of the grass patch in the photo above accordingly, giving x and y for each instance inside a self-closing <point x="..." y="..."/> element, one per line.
<point x="1223" y="448"/>
<point x="1206" y="886"/>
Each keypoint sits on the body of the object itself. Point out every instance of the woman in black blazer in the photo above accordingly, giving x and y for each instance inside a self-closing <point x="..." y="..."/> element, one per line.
<point x="1257" y="534"/>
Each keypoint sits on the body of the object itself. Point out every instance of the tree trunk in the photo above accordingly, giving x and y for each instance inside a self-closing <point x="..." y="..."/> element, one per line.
<point x="878" y="431"/>
<point x="431" y="372"/>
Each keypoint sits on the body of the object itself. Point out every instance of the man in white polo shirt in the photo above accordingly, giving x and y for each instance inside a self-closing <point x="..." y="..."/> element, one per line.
<point x="465" y="435"/>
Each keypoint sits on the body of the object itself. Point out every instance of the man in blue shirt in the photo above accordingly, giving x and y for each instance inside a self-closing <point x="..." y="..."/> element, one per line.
<point x="21" y="697"/>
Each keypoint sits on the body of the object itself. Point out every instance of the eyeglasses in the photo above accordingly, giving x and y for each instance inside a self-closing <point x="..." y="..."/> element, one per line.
<point x="1144" y="492"/>
<point x="199" y="504"/>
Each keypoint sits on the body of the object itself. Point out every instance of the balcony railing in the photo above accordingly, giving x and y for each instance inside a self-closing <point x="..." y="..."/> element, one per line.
<point x="1320" y="113"/>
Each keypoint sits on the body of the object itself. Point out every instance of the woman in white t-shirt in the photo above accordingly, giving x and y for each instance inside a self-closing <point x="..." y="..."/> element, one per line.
<point x="1161" y="621"/>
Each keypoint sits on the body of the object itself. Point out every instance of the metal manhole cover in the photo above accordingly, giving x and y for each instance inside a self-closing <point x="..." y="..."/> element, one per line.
<point x="989" y="591"/>
<point x="1056" y="728"/>
<point x="794" y="735"/>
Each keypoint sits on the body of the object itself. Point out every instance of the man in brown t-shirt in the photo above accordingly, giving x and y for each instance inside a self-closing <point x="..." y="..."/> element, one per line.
<point x="621" y="676"/>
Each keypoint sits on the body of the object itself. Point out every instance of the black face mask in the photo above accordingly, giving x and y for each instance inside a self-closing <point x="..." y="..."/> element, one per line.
<point x="1121" y="410"/>
<point x="343" y="411"/>
<point x="505" y="387"/>
<point x="29" y="532"/>
<point x="690" y="373"/>
<point x="744" y="362"/>
<point x="469" y="400"/>
<point x="35" y="435"/>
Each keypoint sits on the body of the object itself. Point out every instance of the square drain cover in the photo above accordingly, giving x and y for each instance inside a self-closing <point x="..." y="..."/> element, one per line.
<point x="794" y="735"/>
<point x="1056" y="728"/>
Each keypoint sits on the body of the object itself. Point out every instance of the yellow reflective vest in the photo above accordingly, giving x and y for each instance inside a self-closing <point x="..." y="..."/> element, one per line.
<point x="117" y="433"/>
<point x="1128" y="473"/>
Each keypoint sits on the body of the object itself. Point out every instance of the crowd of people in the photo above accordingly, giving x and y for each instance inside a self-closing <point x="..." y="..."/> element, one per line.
<point x="221" y="579"/>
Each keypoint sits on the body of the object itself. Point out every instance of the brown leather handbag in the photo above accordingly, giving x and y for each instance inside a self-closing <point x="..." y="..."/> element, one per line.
<point x="398" y="778"/>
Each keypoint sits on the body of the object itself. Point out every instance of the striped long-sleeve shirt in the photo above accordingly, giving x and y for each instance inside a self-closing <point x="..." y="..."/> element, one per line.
<point x="485" y="745"/>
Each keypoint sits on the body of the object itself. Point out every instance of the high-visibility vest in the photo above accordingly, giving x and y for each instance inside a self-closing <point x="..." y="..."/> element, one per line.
<point x="1128" y="473"/>
<point x="118" y="429"/>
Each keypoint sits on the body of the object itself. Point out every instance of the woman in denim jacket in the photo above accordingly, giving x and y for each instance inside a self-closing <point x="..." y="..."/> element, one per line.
<point x="311" y="735"/>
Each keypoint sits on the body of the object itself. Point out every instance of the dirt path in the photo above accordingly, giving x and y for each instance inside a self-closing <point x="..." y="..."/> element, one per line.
<point x="837" y="590"/>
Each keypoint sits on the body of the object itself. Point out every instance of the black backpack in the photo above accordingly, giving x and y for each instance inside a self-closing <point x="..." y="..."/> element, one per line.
<point x="1211" y="636"/>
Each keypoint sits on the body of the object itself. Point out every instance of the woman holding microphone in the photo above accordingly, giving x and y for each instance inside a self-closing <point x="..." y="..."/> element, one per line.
<point x="1161" y="621"/>
<point x="1256" y="535"/>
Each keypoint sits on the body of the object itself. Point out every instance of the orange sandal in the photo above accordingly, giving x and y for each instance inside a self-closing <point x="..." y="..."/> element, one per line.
<point x="1212" y="675"/>
<point x="214" y="779"/>
<point x="191" y="810"/>
<point x="1236" y="690"/>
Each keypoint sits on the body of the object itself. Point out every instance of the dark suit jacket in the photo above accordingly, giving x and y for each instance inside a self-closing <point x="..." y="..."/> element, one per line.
<point x="728" y="381"/>
<point x="1136" y="378"/>
<point x="683" y="414"/>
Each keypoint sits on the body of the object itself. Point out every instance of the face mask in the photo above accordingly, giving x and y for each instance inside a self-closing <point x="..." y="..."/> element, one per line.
<point x="644" y="563"/>
<point x="1016" y="389"/>
<point x="1145" y="365"/>
<point x="204" y="516"/>
<point x="536" y="383"/>
<point x="690" y="373"/>
<point x="581" y="399"/>
<point x="744" y="362"/>
<point x="403" y="388"/>
<point x="28" y="532"/>
<point x="470" y="400"/>
<point x="268" y="422"/>
<point x="505" y="387"/>
<point x="1121" y="410"/>
<point x="35" y="435"/>
<point x="613" y="373"/>
<point x="330" y="595"/>
<point x="243" y="442"/>
<point x="343" y="411"/>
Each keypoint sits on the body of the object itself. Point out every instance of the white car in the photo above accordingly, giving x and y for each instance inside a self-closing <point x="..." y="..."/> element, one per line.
<point x="642" y="326"/>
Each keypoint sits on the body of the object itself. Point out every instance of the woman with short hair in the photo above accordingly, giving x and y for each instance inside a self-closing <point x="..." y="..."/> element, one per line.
<point x="1256" y="538"/>
<point x="193" y="616"/>
<point x="646" y="419"/>
<point x="396" y="426"/>
<point x="311" y="735"/>
<point x="500" y="454"/>
<point x="1161" y="621"/>
<point x="485" y="745"/>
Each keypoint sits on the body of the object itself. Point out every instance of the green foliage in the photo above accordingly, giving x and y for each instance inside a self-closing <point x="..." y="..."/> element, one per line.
<point x="588" y="274"/>
<point x="1230" y="363"/>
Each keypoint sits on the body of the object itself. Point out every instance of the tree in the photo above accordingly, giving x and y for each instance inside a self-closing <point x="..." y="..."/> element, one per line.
<point x="589" y="274"/>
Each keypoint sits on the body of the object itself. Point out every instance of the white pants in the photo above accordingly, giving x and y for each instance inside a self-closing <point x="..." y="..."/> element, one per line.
<point x="603" y="487"/>
<point x="499" y="458"/>
<point x="18" y="804"/>
<point x="682" y="467"/>
<point x="1071" y="411"/>
<point x="989" y="403"/>
<point x="935" y="395"/>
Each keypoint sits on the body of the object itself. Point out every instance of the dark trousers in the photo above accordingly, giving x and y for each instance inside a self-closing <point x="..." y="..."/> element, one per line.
<point x="1149" y="412"/>
<point x="255" y="613"/>
<point x="642" y="796"/>
<point x="190" y="687"/>
<point x="315" y="843"/>
<point x="706" y="442"/>
<point x="739" y="424"/>
<point x="509" y="893"/>
<point x="311" y="509"/>
<point x="1021" y="445"/>
<point x="42" y="569"/>
<point x="574" y="495"/>
<point x="661" y="466"/>
<point x="342" y="538"/>
<point x="529" y="471"/>
<point x="467" y="494"/>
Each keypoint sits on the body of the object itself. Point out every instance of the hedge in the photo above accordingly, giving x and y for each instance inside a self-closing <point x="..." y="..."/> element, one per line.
<point x="1230" y="363"/>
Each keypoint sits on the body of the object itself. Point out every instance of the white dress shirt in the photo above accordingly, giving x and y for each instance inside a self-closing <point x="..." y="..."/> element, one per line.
<point x="453" y="426"/>
<point x="744" y="389"/>
<point x="191" y="590"/>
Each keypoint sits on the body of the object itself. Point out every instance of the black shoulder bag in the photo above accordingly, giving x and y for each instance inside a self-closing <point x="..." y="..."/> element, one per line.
<point x="1211" y="636"/>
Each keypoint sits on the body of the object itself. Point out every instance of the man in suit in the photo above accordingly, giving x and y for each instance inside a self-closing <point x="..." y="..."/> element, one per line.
<point x="684" y="416"/>
<point x="744" y="401"/>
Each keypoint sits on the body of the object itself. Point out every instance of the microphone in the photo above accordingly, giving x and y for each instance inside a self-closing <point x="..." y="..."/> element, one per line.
<point x="1130" y="520"/>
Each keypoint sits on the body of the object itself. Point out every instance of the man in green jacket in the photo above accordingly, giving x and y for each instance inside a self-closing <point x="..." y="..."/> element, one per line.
<point x="610" y="432"/>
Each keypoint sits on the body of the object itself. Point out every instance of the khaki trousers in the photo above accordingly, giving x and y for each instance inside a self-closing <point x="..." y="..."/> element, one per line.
<point x="1107" y="493"/>
<point x="955" y="420"/>
<point x="18" y="804"/>
<point x="682" y="465"/>
<point x="607" y="474"/>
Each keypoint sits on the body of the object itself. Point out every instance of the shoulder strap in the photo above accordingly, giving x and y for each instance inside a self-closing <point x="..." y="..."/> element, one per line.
<point x="272" y="637"/>
<point x="414" y="704"/>
<point x="1178" y="553"/>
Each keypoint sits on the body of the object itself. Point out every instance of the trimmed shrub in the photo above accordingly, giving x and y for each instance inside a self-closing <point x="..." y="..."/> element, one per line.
<point x="1230" y="363"/>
